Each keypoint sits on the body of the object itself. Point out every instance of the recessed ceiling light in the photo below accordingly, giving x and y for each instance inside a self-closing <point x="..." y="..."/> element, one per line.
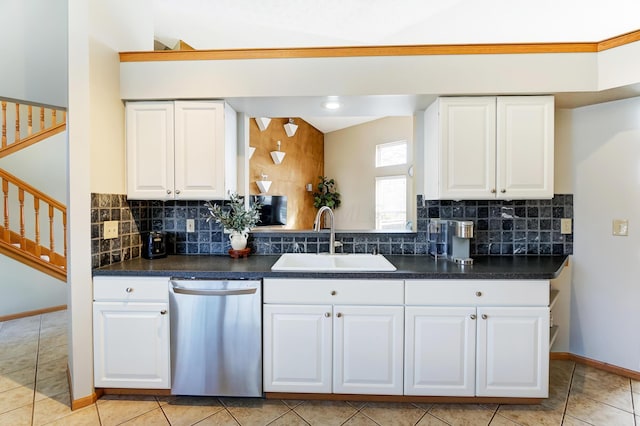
<point x="331" y="104"/>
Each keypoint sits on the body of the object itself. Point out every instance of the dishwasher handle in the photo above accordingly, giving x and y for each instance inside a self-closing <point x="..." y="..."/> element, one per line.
<point x="201" y="292"/>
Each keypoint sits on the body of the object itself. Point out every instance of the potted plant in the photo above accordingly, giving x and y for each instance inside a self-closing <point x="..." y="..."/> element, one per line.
<point x="235" y="218"/>
<point x="327" y="195"/>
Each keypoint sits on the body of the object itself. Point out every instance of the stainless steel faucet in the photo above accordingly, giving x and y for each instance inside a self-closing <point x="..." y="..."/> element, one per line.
<point x="332" y="230"/>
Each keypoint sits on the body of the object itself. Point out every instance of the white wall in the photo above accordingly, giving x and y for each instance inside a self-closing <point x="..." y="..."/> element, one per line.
<point x="38" y="27"/>
<point x="114" y="28"/>
<point x="349" y="158"/>
<point x="97" y="30"/>
<point x="606" y="178"/>
<point x="24" y="289"/>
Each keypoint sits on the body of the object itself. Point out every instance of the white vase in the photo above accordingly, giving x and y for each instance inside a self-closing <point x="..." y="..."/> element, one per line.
<point x="238" y="240"/>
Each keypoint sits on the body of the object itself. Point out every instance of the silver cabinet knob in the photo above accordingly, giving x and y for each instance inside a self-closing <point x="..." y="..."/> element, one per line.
<point x="327" y="314"/>
<point x="472" y="316"/>
<point x="478" y="293"/>
<point x="168" y="191"/>
<point x="163" y="312"/>
<point x="178" y="191"/>
<point x="493" y="190"/>
<point x="484" y="316"/>
<point x="129" y="290"/>
<point x="333" y="292"/>
<point x="339" y="315"/>
<point x="503" y="191"/>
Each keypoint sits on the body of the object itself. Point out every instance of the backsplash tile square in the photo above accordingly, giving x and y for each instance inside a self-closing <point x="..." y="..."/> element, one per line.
<point x="521" y="227"/>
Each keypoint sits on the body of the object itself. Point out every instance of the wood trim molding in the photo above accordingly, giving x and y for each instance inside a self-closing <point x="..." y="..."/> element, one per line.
<point x="32" y="313"/>
<point x="361" y="51"/>
<point x="620" y="371"/>
<point x="86" y="401"/>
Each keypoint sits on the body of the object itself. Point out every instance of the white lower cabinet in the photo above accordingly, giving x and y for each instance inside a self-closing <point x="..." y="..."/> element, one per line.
<point x="513" y="352"/>
<point x="131" y="332"/>
<point x="367" y="349"/>
<point x="353" y="348"/>
<point x="477" y="350"/>
<point x="297" y="348"/>
<point x="440" y="349"/>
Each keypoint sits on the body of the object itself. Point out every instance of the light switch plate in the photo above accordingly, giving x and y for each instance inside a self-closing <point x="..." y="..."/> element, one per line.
<point x="565" y="226"/>
<point x="620" y="227"/>
<point x="191" y="225"/>
<point x="110" y="229"/>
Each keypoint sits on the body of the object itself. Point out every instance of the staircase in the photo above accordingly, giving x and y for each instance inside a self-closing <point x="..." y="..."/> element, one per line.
<point x="25" y="207"/>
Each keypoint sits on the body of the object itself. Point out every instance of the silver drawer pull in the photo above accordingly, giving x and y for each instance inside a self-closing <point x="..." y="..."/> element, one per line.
<point x="333" y="292"/>
<point x="327" y="314"/>
<point x="163" y="312"/>
<point x="129" y="290"/>
<point x="472" y="316"/>
<point x="484" y="316"/>
<point x="339" y="315"/>
<point x="478" y="293"/>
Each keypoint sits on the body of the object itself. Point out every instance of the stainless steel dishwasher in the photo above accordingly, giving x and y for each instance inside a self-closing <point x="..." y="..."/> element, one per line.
<point x="216" y="337"/>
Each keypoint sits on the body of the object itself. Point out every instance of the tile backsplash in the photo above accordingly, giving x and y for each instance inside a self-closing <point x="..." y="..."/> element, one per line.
<point x="522" y="227"/>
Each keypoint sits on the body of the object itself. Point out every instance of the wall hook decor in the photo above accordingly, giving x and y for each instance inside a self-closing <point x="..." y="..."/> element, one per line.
<point x="277" y="156"/>
<point x="263" y="123"/>
<point x="263" y="184"/>
<point x="290" y="128"/>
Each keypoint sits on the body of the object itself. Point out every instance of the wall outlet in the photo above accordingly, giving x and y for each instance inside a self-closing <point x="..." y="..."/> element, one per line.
<point x="565" y="226"/>
<point x="110" y="229"/>
<point x="620" y="227"/>
<point x="191" y="225"/>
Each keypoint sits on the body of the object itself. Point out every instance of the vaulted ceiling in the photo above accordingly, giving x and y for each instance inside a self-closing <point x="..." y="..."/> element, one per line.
<point x="230" y="24"/>
<point x="225" y="24"/>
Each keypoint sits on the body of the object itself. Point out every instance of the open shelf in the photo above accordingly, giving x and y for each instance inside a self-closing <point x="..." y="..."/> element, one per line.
<point x="553" y="333"/>
<point x="553" y="297"/>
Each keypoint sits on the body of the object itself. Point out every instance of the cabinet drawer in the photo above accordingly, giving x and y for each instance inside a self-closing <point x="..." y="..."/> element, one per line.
<point x="327" y="291"/>
<point x="477" y="292"/>
<point x="131" y="288"/>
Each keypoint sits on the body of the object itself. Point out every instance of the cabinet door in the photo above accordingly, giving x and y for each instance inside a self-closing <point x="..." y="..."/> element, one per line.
<point x="525" y="134"/>
<point x="150" y="150"/>
<point x="368" y="348"/>
<point x="440" y="348"/>
<point x="199" y="150"/>
<point x="297" y="348"/>
<point x="131" y="345"/>
<point x="513" y="352"/>
<point x="468" y="150"/>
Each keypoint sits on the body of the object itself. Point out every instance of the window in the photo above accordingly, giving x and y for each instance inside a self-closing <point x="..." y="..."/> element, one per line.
<point x="391" y="153"/>
<point x="391" y="202"/>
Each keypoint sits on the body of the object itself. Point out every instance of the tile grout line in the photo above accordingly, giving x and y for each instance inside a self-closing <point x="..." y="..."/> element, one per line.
<point x="35" y="378"/>
<point x="566" y="401"/>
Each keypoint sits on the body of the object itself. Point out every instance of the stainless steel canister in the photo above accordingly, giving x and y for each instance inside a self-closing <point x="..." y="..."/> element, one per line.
<point x="464" y="229"/>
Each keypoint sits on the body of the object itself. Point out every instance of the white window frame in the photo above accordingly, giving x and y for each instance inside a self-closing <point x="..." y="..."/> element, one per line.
<point x="380" y="147"/>
<point x="403" y="204"/>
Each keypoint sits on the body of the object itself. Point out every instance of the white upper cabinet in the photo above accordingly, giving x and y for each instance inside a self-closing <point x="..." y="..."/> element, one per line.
<point x="180" y="150"/>
<point x="489" y="147"/>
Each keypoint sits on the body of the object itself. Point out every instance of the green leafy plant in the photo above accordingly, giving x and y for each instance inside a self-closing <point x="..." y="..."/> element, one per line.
<point x="326" y="195"/>
<point x="234" y="216"/>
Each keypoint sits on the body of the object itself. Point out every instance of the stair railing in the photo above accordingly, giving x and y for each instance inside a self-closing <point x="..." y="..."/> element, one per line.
<point x="17" y="235"/>
<point x="51" y="121"/>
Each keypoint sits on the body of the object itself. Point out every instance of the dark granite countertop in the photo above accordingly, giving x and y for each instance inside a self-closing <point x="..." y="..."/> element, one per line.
<point x="408" y="267"/>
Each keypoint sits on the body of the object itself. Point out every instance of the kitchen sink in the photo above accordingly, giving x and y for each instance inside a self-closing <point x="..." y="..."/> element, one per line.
<point x="332" y="262"/>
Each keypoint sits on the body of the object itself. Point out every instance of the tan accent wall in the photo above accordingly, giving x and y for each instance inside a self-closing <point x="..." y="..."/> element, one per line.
<point x="302" y="164"/>
<point x="350" y="159"/>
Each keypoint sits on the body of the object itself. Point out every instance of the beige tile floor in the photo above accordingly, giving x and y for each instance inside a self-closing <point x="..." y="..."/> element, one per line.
<point x="34" y="391"/>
